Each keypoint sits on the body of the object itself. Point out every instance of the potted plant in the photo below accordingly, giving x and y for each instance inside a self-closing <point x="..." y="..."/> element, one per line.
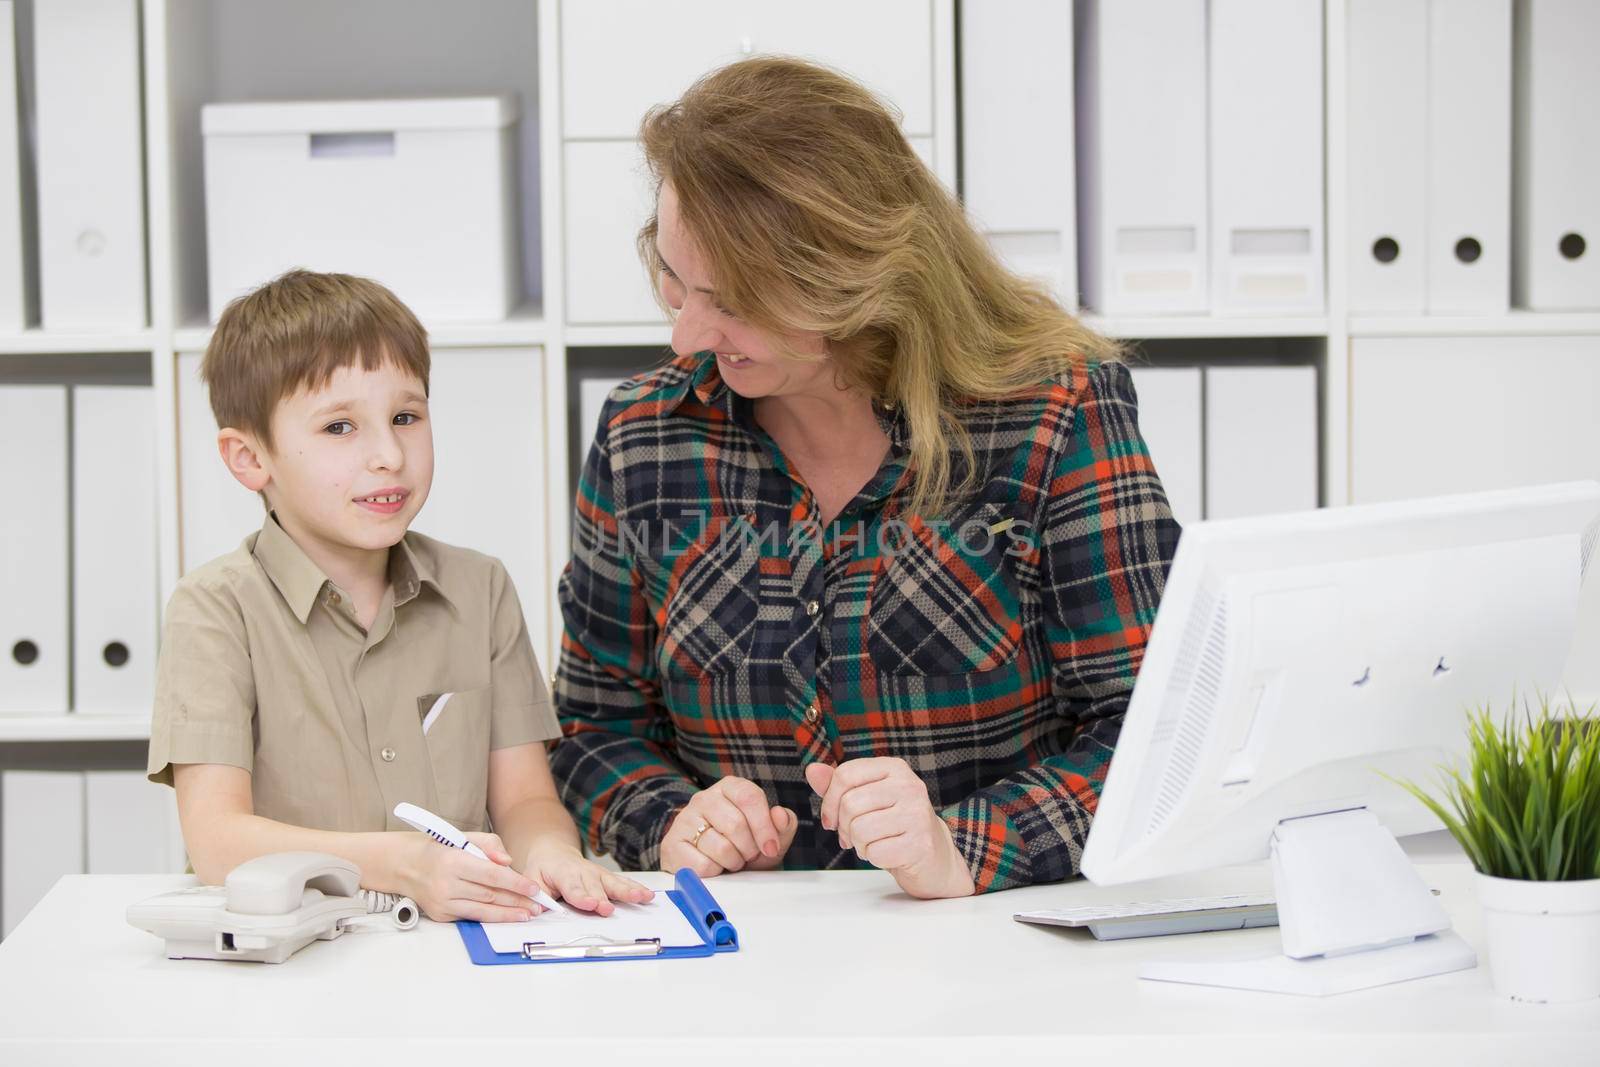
<point x="1527" y="813"/>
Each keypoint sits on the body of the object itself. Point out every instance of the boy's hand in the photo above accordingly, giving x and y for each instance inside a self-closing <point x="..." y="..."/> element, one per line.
<point x="449" y="884"/>
<point x="580" y="883"/>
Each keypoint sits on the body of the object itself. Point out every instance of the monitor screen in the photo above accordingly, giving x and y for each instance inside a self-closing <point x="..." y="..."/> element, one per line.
<point x="1298" y="662"/>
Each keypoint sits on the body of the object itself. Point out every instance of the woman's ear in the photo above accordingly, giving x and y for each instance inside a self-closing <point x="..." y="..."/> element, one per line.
<point x="245" y="458"/>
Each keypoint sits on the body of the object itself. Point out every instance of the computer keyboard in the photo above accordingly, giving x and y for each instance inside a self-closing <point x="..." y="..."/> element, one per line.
<point x="1153" y="918"/>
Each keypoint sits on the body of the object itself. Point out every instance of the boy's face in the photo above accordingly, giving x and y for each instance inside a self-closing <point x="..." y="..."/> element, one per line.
<point x="351" y="463"/>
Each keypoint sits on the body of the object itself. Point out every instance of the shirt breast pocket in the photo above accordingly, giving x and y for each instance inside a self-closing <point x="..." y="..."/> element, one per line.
<point x="455" y="728"/>
<point x="711" y="600"/>
<point x="942" y="600"/>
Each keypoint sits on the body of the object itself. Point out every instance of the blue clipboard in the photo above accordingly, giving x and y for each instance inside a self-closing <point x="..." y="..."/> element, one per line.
<point x="692" y="898"/>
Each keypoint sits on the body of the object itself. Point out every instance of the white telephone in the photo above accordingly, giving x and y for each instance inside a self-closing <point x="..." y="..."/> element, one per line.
<point x="267" y="909"/>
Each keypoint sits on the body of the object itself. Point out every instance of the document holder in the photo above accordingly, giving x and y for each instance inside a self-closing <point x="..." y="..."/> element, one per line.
<point x="690" y="895"/>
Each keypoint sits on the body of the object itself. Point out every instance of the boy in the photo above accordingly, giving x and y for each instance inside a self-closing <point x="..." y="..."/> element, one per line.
<point x="335" y="664"/>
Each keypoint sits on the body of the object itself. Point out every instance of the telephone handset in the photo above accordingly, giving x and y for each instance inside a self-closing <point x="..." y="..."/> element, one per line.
<point x="267" y="909"/>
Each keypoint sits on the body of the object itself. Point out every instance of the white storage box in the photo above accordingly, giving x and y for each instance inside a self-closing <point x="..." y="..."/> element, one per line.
<point x="418" y="194"/>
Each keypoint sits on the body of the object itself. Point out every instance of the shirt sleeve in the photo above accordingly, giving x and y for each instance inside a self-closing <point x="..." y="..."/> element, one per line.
<point x="522" y="711"/>
<point x="205" y="699"/>
<point x="1107" y="538"/>
<point x="614" y="765"/>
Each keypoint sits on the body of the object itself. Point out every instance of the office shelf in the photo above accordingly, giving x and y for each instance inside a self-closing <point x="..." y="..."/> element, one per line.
<point x="1152" y="327"/>
<point x="37" y="342"/>
<point x="1509" y="324"/>
<point x="1129" y="328"/>
<point x="620" y="336"/>
<point x="523" y="327"/>
<point x="73" y="727"/>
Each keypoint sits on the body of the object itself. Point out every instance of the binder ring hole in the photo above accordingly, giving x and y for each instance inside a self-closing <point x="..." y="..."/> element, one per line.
<point x="1386" y="250"/>
<point x="116" y="654"/>
<point x="1468" y="250"/>
<point x="25" y="652"/>
<point x="1573" y="245"/>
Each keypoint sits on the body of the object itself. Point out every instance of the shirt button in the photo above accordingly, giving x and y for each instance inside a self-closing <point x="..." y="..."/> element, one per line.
<point x="388" y="755"/>
<point x="334" y="598"/>
<point x="812" y="607"/>
<point x="812" y="715"/>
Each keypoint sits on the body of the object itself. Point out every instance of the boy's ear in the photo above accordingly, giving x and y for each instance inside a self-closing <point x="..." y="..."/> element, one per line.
<point x="245" y="459"/>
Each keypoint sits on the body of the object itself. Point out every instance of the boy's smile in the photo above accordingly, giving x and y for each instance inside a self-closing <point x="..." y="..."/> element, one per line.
<point x="385" y="501"/>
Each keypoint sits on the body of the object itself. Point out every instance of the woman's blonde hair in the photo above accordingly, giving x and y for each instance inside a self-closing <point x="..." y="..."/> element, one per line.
<point x="814" y="214"/>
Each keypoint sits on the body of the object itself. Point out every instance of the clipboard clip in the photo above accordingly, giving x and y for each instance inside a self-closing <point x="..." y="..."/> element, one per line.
<point x="590" y="946"/>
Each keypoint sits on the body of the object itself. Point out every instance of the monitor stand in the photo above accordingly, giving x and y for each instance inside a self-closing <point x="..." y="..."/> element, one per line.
<point x="1352" y="910"/>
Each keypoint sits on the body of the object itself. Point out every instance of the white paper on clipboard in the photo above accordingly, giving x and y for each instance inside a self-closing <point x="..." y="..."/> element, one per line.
<point x="660" y="918"/>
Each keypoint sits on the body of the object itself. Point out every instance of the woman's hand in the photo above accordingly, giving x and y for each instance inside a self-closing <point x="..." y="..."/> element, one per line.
<point x="579" y="882"/>
<point x="728" y="827"/>
<point x="881" y="809"/>
<point x="449" y="883"/>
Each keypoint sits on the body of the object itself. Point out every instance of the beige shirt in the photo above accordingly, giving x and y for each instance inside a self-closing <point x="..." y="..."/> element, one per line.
<point x="264" y="666"/>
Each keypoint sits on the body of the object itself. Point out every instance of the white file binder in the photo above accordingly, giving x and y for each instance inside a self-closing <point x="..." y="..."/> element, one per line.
<point x="34" y="640"/>
<point x="90" y="164"/>
<point x="1386" y="75"/>
<point x="131" y="825"/>
<point x="1261" y="440"/>
<point x="1141" y="108"/>
<point x="1266" y="157"/>
<point x="114" y="588"/>
<point x="888" y="44"/>
<point x="1016" y="107"/>
<point x="488" y="472"/>
<point x="1171" y="425"/>
<point x="1556" y="214"/>
<point x="41" y="837"/>
<point x="218" y="512"/>
<point x="1469" y="157"/>
<point x="14" y="290"/>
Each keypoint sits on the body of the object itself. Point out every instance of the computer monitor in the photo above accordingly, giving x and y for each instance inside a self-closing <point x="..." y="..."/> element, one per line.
<point x="1297" y="664"/>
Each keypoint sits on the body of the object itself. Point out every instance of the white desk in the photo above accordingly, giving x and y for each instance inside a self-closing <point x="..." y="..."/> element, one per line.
<point x="834" y="967"/>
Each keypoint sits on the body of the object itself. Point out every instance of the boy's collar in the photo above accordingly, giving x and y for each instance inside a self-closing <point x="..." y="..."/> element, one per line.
<point x="408" y="569"/>
<point x="300" y="581"/>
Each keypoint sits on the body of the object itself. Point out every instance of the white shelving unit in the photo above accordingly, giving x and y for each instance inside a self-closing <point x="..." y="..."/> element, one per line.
<point x="38" y="342"/>
<point x="1153" y="327"/>
<point x="73" y="728"/>
<point x="1510" y="324"/>
<point x="199" y="51"/>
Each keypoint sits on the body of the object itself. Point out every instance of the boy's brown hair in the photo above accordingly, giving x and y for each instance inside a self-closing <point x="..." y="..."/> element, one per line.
<point x="294" y="332"/>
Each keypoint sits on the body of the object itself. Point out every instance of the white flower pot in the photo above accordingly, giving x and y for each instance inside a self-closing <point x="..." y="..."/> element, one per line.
<point x="1543" y="938"/>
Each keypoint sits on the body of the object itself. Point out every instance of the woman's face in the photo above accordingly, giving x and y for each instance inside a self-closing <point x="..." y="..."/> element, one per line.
<point x="750" y="358"/>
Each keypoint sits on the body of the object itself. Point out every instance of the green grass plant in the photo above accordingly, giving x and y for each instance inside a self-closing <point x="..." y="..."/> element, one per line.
<point x="1528" y="804"/>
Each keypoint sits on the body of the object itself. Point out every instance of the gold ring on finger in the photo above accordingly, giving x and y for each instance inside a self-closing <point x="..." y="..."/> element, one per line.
<point x="694" y="841"/>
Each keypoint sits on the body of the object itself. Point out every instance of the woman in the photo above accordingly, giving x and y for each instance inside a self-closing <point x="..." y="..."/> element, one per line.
<point x="864" y="575"/>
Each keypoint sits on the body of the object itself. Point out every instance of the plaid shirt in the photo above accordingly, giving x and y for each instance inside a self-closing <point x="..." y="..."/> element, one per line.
<point x="713" y="628"/>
